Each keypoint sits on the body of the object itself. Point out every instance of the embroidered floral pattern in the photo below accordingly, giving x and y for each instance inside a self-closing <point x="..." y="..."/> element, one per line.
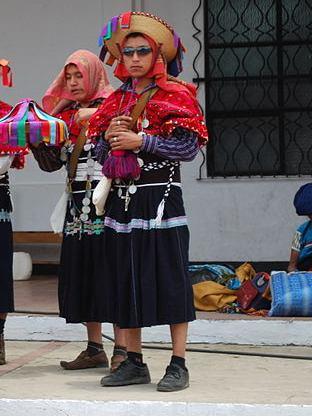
<point x="84" y="227"/>
<point x="4" y="215"/>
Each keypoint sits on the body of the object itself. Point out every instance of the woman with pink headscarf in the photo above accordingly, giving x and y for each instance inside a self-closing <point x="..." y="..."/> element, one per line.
<point x="78" y="90"/>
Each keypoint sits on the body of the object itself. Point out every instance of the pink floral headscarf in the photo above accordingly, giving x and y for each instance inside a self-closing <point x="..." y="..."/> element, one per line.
<point x="94" y="77"/>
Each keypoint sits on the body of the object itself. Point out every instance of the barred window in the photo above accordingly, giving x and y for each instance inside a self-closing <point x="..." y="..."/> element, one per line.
<point x="258" y="87"/>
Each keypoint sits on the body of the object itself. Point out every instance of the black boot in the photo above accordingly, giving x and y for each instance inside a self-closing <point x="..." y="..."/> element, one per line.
<point x="127" y="373"/>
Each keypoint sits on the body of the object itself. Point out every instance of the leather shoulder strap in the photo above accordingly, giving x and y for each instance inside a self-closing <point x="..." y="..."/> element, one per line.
<point x="140" y="105"/>
<point x="80" y="142"/>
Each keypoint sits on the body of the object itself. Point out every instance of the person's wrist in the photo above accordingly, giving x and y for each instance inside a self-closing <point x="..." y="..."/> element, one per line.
<point x="141" y="136"/>
<point x="140" y="140"/>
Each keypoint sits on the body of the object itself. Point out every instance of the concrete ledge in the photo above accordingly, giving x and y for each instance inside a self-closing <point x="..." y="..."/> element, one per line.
<point x="252" y="332"/>
<point x="11" y="407"/>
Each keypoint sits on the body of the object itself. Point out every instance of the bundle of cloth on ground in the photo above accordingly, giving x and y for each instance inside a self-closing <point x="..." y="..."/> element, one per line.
<point x="219" y="287"/>
<point x="215" y="286"/>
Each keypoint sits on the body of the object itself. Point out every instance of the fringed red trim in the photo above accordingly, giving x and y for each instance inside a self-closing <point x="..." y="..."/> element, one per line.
<point x="195" y="125"/>
<point x="18" y="151"/>
<point x="165" y="112"/>
<point x="10" y="150"/>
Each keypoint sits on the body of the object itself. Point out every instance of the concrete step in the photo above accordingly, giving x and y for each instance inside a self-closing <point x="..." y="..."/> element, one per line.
<point x="206" y="329"/>
<point x="13" y="407"/>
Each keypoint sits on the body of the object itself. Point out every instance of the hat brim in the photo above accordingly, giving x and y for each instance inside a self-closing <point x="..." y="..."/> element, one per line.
<point x="149" y="25"/>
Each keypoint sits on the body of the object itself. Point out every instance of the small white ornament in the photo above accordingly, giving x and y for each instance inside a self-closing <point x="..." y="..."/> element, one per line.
<point x="145" y="123"/>
<point x="132" y="189"/>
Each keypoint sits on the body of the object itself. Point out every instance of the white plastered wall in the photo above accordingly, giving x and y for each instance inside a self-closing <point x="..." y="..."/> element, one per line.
<point x="37" y="36"/>
<point x="234" y="220"/>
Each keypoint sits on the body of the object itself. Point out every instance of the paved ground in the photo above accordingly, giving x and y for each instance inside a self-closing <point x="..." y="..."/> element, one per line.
<point x="221" y="384"/>
<point x="33" y="372"/>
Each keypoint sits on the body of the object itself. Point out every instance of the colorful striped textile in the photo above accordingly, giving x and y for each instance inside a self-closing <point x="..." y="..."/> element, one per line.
<point x="291" y="294"/>
<point x="27" y="124"/>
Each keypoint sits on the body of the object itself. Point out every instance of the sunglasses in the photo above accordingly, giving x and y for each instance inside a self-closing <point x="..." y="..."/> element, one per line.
<point x="141" y="51"/>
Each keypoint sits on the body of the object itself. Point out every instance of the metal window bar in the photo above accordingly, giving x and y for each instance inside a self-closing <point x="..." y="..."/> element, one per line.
<point x="258" y="89"/>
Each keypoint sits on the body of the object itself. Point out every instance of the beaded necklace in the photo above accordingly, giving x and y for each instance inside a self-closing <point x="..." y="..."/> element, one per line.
<point x="80" y="214"/>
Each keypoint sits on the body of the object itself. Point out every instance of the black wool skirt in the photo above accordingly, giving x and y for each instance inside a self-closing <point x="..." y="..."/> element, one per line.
<point x="6" y="265"/>
<point x="80" y="283"/>
<point x="144" y="266"/>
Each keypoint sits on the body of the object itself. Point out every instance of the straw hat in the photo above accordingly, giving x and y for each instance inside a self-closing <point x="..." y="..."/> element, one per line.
<point x="114" y="33"/>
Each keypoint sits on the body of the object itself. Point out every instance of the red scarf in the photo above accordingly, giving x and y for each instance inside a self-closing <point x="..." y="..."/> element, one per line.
<point x="158" y="72"/>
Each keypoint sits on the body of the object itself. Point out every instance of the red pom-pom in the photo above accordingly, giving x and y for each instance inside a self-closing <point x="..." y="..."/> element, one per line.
<point x="121" y="164"/>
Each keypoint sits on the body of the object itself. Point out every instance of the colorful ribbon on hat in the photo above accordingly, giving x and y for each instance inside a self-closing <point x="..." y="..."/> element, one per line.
<point x="112" y="26"/>
<point x="175" y="67"/>
<point x="27" y="123"/>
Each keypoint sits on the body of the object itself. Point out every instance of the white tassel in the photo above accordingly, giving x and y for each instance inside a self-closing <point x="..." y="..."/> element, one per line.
<point x="160" y="212"/>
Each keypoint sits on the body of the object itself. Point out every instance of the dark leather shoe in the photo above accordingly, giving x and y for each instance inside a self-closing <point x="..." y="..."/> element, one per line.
<point x="127" y="373"/>
<point x="2" y="350"/>
<point x="84" y="361"/>
<point x="176" y="378"/>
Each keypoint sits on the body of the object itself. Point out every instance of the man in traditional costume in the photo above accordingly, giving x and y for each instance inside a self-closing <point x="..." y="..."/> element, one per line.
<point x="147" y="127"/>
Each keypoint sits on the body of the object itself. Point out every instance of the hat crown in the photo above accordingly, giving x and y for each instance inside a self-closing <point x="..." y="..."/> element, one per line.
<point x="119" y="27"/>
